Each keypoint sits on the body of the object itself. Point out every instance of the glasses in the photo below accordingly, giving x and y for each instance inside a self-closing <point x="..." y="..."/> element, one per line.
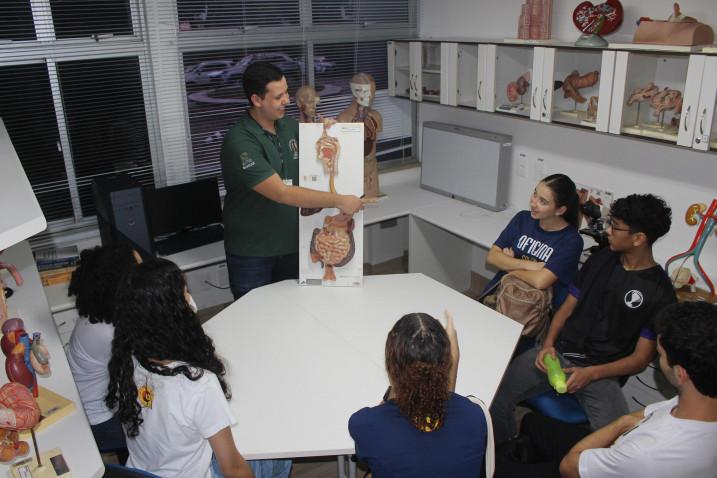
<point x="610" y="222"/>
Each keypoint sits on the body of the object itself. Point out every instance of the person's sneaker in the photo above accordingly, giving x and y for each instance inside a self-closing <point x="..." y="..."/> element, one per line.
<point x="519" y="449"/>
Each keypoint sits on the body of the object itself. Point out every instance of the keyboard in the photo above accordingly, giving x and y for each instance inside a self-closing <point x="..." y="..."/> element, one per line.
<point x="182" y="241"/>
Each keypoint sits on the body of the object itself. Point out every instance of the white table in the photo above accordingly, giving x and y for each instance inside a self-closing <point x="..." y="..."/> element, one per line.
<point x="301" y="360"/>
<point x="72" y="433"/>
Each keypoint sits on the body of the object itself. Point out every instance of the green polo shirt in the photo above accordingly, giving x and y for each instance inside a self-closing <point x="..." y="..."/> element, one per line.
<point x="253" y="224"/>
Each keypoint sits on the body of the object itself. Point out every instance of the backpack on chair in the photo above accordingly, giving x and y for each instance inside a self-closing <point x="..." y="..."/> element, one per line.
<point x="515" y="298"/>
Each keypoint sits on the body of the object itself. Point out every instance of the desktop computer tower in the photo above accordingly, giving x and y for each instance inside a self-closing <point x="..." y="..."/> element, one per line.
<point x="121" y="213"/>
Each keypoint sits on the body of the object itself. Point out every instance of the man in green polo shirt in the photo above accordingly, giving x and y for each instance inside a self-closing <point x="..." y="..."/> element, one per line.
<point x="260" y="164"/>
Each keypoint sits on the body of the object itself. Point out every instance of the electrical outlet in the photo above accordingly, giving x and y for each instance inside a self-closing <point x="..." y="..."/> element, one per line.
<point x="522" y="168"/>
<point x="539" y="170"/>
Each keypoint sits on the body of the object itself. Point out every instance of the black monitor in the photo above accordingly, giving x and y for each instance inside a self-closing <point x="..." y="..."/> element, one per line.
<point x="184" y="207"/>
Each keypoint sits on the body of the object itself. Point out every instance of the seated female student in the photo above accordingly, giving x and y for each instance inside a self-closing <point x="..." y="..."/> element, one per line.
<point x="167" y="382"/>
<point x="422" y="429"/>
<point x="94" y="284"/>
<point x="542" y="246"/>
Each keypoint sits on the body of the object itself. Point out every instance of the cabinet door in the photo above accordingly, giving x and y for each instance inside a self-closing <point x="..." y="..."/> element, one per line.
<point x="537" y="84"/>
<point x="691" y="102"/>
<point x="607" y="73"/>
<point x="546" y="85"/>
<point x="468" y="68"/>
<point x="391" y="65"/>
<point x="706" y="126"/>
<point x="399" y="73"/>
<point x="449" y="74"/>
<point x="416" y="68"/>
<point x="486" y="77"/>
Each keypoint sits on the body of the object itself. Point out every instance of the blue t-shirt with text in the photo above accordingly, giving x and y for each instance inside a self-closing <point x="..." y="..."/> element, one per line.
<point x="560" y="250"/>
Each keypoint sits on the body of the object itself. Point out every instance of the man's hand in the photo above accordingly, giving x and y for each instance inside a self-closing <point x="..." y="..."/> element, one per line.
<point x="349" y="204"/>
<point x="541" y="355"/>
<point x="508" y="251"/>
<point x="579" y="378"/>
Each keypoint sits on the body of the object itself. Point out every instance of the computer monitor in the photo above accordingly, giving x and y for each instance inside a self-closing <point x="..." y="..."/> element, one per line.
<point x="183" y="207"/>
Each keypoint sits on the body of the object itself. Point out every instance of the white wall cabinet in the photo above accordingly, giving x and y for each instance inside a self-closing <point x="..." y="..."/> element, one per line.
<point x="667" y="96"/>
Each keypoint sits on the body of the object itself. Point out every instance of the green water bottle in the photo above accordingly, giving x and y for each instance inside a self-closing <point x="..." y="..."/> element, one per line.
<point x="556" y="376"/>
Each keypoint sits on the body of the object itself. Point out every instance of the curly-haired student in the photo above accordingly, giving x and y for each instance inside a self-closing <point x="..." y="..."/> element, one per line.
<point x="422" y="429"/>
<point x="167" y="382"/>
<point x="94" y="284"/>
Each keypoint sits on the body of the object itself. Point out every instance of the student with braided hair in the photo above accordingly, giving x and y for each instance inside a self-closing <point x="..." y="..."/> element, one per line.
<point x="422" y="428"/>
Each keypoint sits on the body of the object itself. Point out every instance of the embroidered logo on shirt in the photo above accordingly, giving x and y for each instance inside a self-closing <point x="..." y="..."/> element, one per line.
<point x="145" y="396"/>
<point x="246" y="161"/>
<point x="294" y="147"/>
<point x="633" y="299"/>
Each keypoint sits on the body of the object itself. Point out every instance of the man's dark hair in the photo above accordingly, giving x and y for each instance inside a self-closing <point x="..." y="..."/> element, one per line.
<point x="688" y="334"/>
<point x="643" y="213"/>
<point x="257" y="76"/>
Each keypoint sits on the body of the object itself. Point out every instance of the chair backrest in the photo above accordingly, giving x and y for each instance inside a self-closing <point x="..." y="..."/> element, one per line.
<point x="119" y="471"/>
<point x="489" y="442"/>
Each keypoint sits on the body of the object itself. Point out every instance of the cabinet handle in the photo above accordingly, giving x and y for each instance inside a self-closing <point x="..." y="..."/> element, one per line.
<point x="535" y="93"/>
<point x="480" y="83"/>
<point x="545" y="107"/>
<point x="702" y="119"/>
<point x="687" y="116"/>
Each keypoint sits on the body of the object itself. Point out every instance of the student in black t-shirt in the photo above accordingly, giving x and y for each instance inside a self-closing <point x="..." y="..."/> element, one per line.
<point x="603" y="331"/>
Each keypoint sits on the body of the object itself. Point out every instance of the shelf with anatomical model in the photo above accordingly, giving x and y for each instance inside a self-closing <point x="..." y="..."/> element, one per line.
<point x="653" y="97"/>
<point x="513" y="80"/>
<point x="576" y="87"/>
<point x="431" y="71"/>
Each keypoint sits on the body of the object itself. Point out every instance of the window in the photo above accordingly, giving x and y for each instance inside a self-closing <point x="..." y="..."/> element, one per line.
<point x="16" y="21"/>
<point x="338" y="39"/>
<point x="223" y="14"/>
<point x="215" y="96"/>
<point x="75" y="110"/>
<point x="27" y="109"/>
<point x="106" y="121"/>
<point x="74" y="19"/>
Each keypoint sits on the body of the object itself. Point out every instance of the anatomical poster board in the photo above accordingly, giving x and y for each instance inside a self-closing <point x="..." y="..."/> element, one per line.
<point x="331" y="242"/>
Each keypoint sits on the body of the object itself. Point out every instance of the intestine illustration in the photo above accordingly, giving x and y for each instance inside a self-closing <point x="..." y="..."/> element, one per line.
<point x="328" y="150"/>
<point x="333" y="245"/>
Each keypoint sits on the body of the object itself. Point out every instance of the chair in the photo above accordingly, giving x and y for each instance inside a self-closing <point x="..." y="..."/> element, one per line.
<point x="490" y="440"/>
<point x="564" y="407"/>
<point x="119" y="471"/>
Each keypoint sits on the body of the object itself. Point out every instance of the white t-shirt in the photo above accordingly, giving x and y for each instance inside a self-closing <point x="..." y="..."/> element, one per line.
<point x="180" y="415"/>
<point x="88" y="354"/>
<point x="659" y="446"/>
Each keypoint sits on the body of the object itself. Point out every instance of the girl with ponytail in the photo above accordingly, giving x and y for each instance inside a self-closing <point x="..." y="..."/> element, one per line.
<point x="542" y="245"/>
<point x="422" y="428"/>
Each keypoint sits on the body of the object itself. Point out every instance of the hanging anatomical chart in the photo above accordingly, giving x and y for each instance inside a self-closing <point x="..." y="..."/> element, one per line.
<point x="331" y="242"/>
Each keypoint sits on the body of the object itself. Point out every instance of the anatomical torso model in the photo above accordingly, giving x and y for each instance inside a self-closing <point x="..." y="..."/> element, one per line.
<point x="363" y="88"/>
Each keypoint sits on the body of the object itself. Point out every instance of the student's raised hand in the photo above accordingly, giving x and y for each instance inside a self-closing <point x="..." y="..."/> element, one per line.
<point x="541" y="355"/>
<point x="580" y="377"/>
<point x="451" y="332"/>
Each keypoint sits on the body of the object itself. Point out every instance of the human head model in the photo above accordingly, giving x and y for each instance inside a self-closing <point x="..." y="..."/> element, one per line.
<point x="363" y="88"/>
<point x="643" y="213"/>
<point x="418" y="362"/>
<point x="95" y="281"/>
<point x="687" y="341"/>
<point x="307" y="99"/>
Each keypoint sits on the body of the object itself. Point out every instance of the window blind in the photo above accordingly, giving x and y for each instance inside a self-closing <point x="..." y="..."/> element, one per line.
<point x="75" y="95"/>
